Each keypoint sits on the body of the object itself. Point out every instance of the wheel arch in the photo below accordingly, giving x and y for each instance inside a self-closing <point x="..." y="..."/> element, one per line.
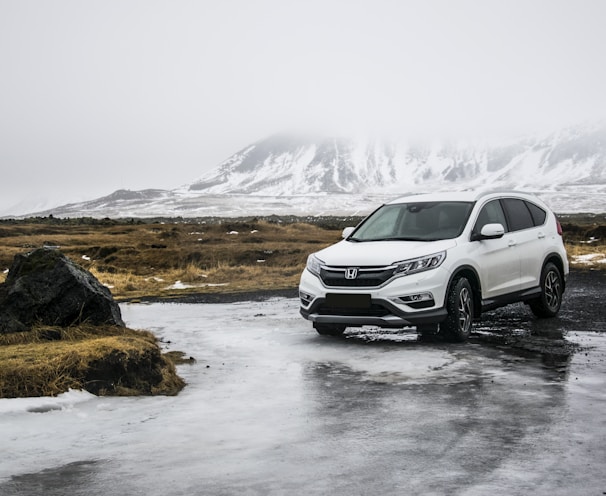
<point x="555" y="259"/>
<point x="471" y="275"/>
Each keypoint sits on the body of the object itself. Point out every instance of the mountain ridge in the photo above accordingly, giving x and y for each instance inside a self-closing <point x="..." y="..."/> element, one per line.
<point x="311" y="175"/>
<point x="341" y="165"/>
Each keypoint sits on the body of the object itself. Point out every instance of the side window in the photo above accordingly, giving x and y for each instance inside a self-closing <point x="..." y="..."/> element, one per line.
<point x="538" y="214"/>
<point x="518" y="214"/>
<point x="491" y="213"/>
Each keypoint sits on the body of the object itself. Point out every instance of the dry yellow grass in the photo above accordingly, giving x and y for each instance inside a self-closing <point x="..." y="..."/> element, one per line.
<point x="587" y="255"/>
<point x="136" y="260"/>
<point x="103" y="359"/>
<point x="148" y="259"/>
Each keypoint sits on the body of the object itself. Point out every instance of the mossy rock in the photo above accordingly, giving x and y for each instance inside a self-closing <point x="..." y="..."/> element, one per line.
<point x="104" y="361"/>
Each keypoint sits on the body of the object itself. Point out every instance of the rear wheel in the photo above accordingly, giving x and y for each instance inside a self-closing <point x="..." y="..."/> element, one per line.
<point x="552" y="288"/>
<point x="329" y="329"/>
<point x="459" y="304"/>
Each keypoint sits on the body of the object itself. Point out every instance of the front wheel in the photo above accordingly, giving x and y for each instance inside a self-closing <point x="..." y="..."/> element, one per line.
<point x="329" y="329"/>
<point x="459" y="304"/>
<point x="552" y="288"/>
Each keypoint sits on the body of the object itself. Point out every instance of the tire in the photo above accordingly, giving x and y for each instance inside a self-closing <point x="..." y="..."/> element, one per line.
<point x="329" y="329"/>
<point x="459" y="304"/>
<point x="548" y="304"/>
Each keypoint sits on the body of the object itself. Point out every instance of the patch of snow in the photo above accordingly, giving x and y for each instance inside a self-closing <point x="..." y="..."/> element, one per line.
<point x="181" y="285"/>
<point x="589" y="259"/>
<point x="64" y="401"/>
<point x="591" y="240"/>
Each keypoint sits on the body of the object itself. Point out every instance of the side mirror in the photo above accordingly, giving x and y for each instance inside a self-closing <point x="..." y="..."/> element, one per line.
<point x="489" y="231"/>
<point x="347" y="232"/>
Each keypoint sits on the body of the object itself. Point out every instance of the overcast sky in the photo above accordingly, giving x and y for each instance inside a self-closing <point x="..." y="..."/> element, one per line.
<point x="101" y="95"/>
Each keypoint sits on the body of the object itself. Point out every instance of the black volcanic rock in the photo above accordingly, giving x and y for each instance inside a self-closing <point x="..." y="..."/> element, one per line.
<point x="45" y="287"/>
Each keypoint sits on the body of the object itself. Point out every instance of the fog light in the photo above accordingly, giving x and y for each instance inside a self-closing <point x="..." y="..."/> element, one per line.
<point x="416" y="297"/>
<point x="306" y="298"/>
<point x="417" y="300"/>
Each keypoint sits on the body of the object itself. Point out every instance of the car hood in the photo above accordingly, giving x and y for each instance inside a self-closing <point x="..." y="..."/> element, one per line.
<point x="379" y="253"/>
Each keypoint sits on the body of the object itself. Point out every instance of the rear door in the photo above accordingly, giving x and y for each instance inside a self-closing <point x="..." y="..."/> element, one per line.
<point x="526" y="221"/>
<point x="497" y="259"/>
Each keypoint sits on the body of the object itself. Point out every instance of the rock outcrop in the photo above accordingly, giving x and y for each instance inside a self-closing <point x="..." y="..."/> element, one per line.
<point x="45" y="287"/>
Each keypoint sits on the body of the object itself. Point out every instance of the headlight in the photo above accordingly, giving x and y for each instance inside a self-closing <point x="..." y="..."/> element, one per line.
<point x="420" y="264"/>
<point x="314" y="264"/>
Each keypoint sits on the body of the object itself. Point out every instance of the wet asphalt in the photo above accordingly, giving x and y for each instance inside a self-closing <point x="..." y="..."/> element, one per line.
<point x="272" y="408"/>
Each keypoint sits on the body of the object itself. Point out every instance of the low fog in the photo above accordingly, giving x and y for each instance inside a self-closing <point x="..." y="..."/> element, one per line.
<point x="97" y="96"/>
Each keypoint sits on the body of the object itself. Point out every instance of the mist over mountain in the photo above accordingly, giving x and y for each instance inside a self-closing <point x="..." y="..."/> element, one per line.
<point x="289" y="174"/>
<point x="287" y="165"/>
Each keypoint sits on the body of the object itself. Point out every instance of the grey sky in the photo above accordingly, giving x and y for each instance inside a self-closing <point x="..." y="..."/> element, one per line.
<point x="101" y="95"/>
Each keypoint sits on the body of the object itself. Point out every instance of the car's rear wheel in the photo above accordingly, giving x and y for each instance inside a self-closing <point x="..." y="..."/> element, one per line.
<point x="459" y="304"/>
<point x="552" y="288"/>
<point x="329" y="329"/>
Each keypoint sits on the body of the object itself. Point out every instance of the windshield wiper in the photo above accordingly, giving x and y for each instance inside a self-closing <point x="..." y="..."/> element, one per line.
<point x="404" y="238"/>
<point x="400" y="238"/>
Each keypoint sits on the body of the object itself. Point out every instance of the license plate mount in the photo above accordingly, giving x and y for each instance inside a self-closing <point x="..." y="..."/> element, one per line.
<point x="338" y="300"/>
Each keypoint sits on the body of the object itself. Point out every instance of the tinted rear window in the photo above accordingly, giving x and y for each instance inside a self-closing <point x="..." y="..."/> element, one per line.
<point x="538" y="214"/>
<point x="518" y="214"/>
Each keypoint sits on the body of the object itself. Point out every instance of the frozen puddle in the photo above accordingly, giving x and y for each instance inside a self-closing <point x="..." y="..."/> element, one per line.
<point x="273" y="408"/>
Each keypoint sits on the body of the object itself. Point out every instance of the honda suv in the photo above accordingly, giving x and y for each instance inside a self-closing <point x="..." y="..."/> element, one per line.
<point x="437" y="262"/>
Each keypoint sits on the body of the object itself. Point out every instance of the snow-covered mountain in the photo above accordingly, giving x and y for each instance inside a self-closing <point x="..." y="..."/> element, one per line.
<point x="285" y="165"/>
<point x="286" y="174"/>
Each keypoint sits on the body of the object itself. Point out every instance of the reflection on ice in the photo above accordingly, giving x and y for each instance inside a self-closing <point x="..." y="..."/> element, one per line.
<point x="273" y="408"/>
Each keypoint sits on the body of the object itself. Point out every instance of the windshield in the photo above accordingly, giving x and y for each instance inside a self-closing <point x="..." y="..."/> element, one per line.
<point x="423" y="221"/>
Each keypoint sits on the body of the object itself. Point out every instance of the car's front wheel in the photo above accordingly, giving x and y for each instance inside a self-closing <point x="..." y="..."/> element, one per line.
<point x="459" y="304"/>
<point x="552" y="288"/>
<point x="329" y="329"/>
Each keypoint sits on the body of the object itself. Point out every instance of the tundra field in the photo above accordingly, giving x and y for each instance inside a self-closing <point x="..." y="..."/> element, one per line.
<point x="168" y="258"/>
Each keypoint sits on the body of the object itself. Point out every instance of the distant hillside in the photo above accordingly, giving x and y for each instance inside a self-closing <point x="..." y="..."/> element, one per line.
<point x="289" y="165"/>
<point x="286" y="174"/>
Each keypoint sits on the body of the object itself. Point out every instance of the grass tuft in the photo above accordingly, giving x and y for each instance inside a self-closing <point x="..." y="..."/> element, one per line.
<point x="104" y="360"/>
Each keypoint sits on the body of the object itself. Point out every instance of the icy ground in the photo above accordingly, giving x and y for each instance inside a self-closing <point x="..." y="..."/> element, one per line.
<point x="272" y="408"/>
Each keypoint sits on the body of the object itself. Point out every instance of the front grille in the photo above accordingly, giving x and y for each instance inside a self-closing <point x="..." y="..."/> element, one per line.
<point x="365" y="278"/>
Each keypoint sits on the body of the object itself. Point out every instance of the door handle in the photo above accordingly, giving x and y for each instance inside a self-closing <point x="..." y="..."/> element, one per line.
<point x="511" y="242"/>
<point x="541" y="235"/>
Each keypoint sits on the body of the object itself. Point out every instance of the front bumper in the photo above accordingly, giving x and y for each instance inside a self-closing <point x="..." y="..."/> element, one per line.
<point x="384" y="305"/>
<point x="393" y="316"/>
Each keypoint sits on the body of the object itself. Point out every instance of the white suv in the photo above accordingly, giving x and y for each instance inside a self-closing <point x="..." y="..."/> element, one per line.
<point x="437" y="262"/>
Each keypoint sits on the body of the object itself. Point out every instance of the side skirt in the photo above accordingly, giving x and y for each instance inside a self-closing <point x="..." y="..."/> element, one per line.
<point x="503" y="300"/>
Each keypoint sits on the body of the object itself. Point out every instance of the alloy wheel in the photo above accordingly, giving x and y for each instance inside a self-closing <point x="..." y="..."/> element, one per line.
<point x="553" y="289"/>
<point x="465" y="311"/>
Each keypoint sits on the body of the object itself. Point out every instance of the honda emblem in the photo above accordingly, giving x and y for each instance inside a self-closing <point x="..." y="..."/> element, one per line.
<point x="351" y="273"/>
